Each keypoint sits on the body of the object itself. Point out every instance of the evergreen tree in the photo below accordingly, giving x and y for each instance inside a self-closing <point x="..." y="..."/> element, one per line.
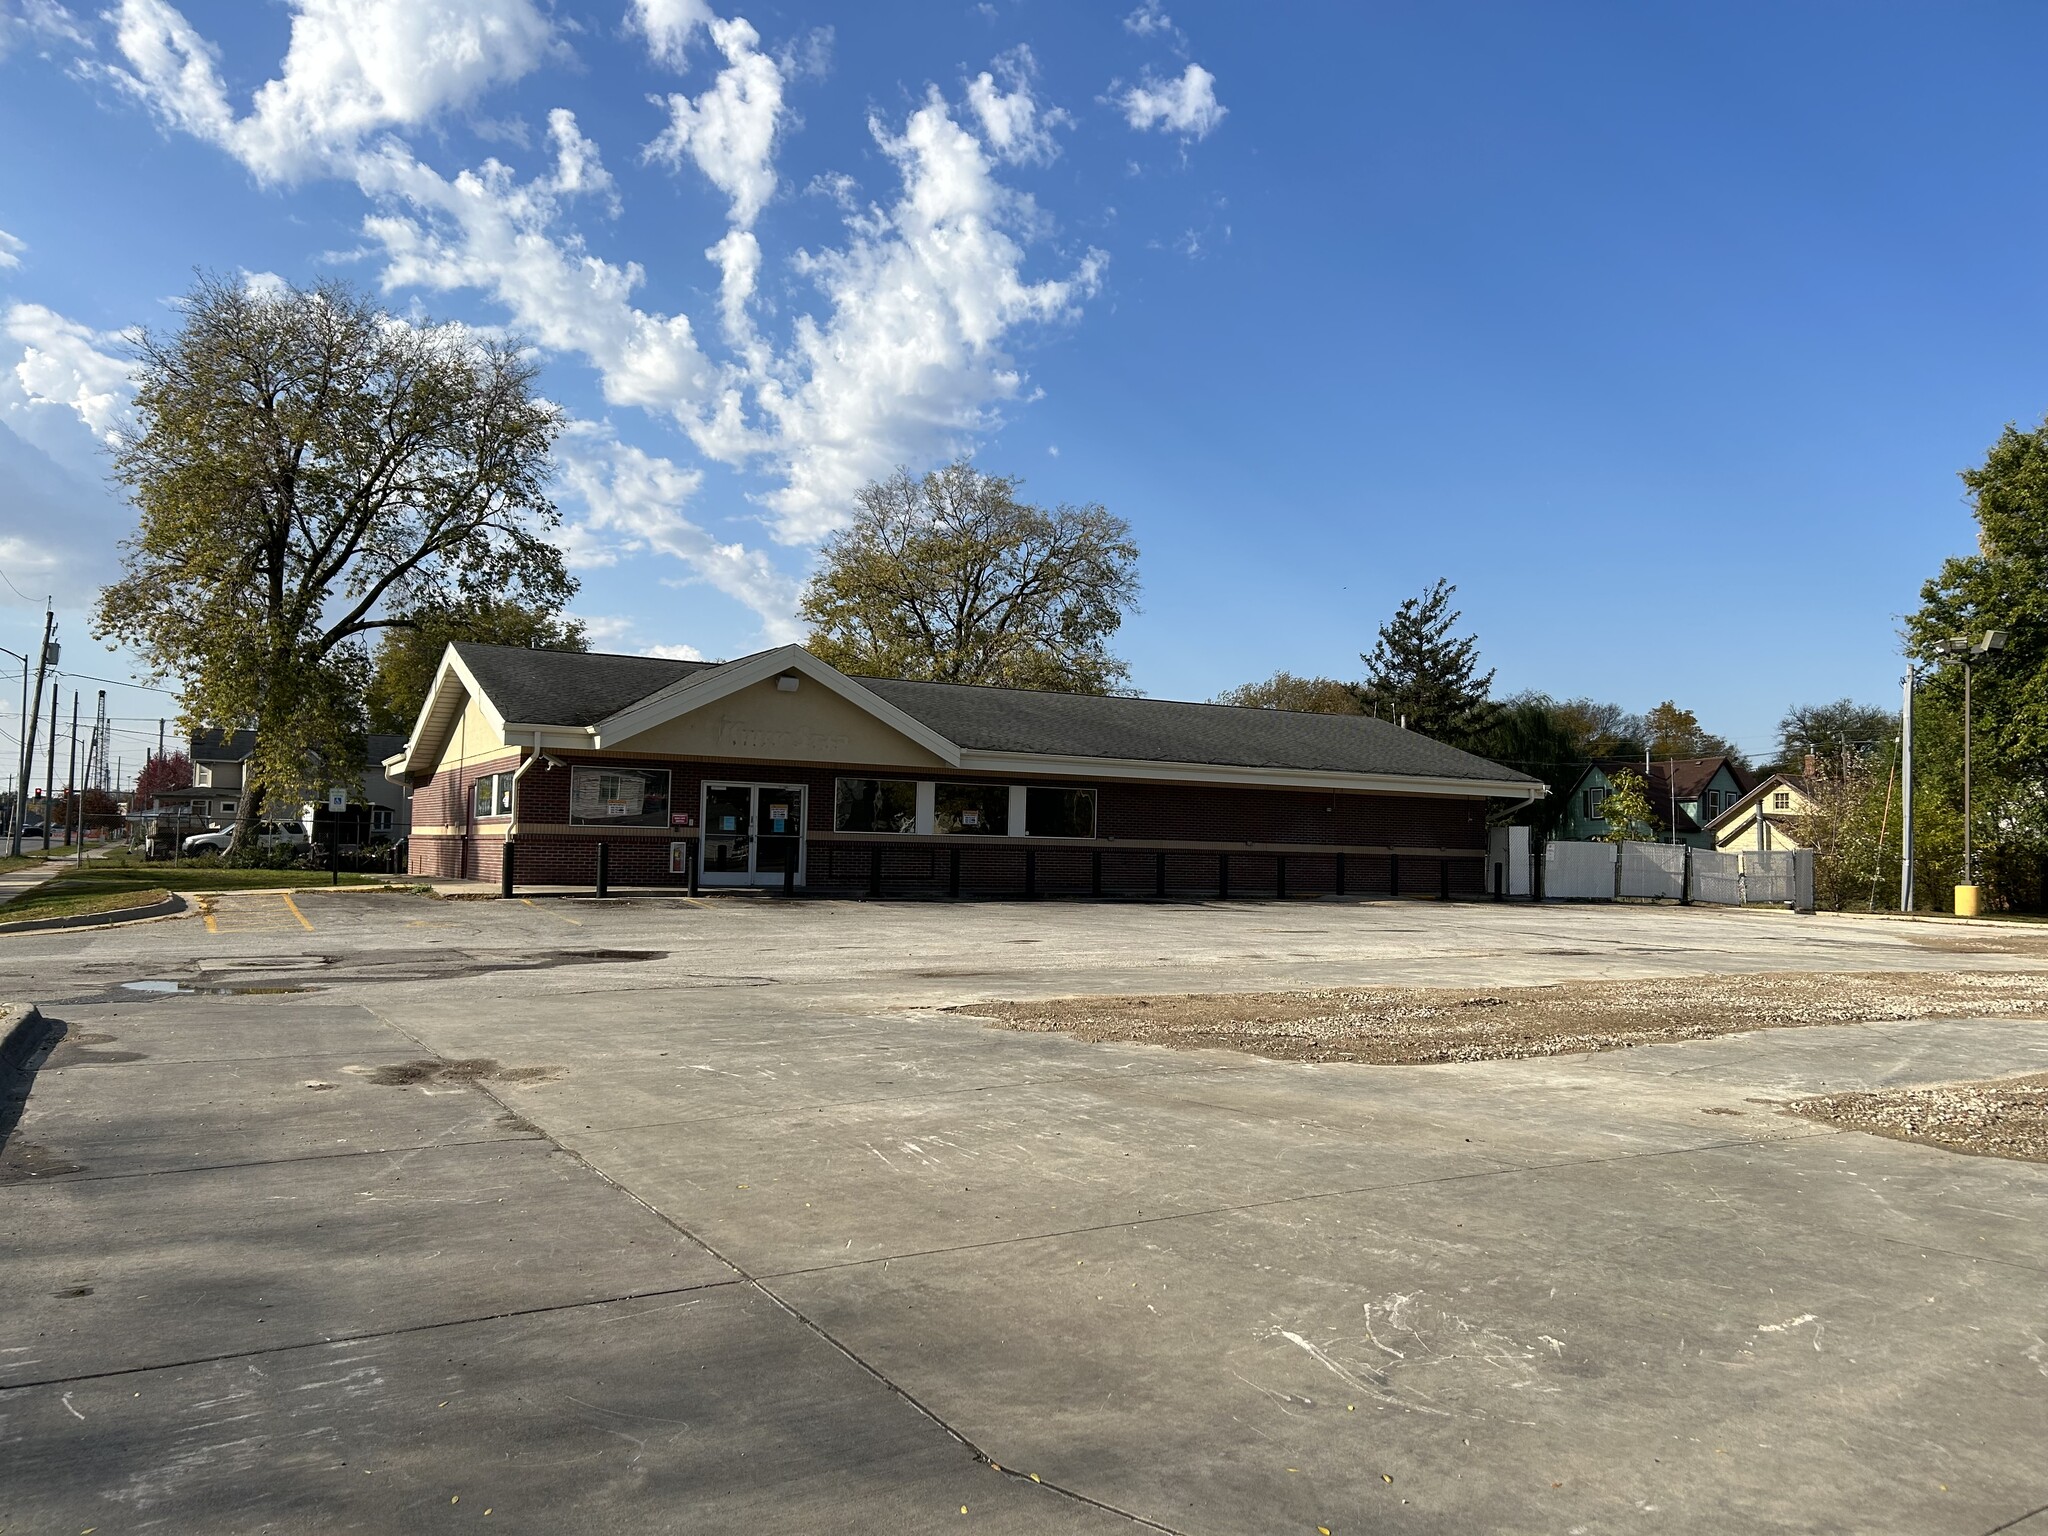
<point x="1420" y="672"/>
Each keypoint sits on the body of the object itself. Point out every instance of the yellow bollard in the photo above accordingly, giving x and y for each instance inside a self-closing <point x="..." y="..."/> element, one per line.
<point x="1966" y="901"/>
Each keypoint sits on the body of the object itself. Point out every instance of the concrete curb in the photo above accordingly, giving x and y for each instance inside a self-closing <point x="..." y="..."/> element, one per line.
<point x="170" y="906"/>
<point x="24" y="1037"/>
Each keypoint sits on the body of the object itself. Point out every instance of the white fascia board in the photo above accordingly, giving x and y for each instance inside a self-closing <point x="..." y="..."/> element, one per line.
<point x="551" y="738"/>
<point x="451" y="673"/>
<point x="1753" y="798"/>
<point x="1261" y="778"/>
<point x="694" y="692"/>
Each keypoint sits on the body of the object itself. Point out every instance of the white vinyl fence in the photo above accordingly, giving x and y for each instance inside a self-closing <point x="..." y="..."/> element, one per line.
<point x="1717" y="877"/>
<point x="1578" y="872"/>
<point x="1675" y="872"/>
<point x="1654" y="870"/>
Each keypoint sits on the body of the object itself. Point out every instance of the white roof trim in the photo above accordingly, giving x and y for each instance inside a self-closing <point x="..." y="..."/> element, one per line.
<point x="1755" y="797"/>
<point x="439" y="711"/>
<point x="688" y="694"/>
<point x="1042" y="764"/>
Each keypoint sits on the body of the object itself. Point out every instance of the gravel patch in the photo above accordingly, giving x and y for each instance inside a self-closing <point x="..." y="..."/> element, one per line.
<point x="2007" y="1118"/>
<point x="1414" y="1025"/>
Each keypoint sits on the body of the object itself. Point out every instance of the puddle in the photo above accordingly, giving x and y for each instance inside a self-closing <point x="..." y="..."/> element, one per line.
<point x="186" y="989"/>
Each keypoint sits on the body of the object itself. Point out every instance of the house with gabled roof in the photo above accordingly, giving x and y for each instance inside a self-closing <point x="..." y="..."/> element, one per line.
<point x="1685" y="794"/>
<point x="779" y="767"/>
<point x="1767" y="817"/>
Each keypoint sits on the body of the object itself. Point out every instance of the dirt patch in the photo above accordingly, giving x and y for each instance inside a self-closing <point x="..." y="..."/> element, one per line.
<point x="2006" y="1118"/>
<point x="1416" y="1025"/>
<point x="469" y="1069"/>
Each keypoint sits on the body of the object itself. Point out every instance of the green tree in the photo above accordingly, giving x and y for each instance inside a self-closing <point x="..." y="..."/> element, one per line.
<point x="1418" y="671"/>
<point x="2004" y="586"/>
<point x="1601" y="730"/>
<point x="1301" y="695"/>
<point x="1671" y="732"/>
<point x="1534" y="734"/>
<point x="952" y="578"/>
<point x="308" y="470"/>
<point x="1627" y="809"/>
<point x="1853" y="829"/>
<point x="408" y="656"/>
<point x="1832" y="729"/>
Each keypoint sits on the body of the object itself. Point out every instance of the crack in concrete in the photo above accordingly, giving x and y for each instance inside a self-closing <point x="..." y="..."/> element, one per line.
<point x="345" y="1339"/>
<point x="825" y="1335"/>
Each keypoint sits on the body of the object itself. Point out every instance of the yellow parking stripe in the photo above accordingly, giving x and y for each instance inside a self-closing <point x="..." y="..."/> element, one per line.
<point x="287" y="895"/>
<point x="211" y="925"/>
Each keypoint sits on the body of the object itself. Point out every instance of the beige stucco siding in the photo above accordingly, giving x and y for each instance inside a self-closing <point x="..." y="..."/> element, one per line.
<point x="472" y="741"/>
<point x="762" y="723"/>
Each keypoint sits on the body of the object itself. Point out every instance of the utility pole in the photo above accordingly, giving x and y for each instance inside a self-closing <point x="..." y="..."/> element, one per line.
<point x="50" y="767"/>
<point x="71" y="773"/>
<point x="30" y="714"/>
<point x="1906" y="796"/>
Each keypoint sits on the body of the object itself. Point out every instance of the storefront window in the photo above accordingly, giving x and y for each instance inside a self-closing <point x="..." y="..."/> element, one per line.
<point x="618" y="797"/>
<point x="875" y="805"/>
<point x="973" y="809"/>
<point x="1053" y="812"/>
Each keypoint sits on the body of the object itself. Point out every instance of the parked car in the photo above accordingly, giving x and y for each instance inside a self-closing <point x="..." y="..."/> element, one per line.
<point x="269" y="834"/>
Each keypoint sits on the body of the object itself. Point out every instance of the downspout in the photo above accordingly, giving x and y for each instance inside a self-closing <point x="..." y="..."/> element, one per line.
<point x="517" y="774"/>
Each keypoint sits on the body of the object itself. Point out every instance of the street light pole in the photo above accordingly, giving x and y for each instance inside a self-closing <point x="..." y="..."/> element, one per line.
<point x="1906" y="797"/>
<point x="1969" y="654"/>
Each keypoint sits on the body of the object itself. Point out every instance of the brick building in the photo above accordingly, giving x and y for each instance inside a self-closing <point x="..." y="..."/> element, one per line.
<point x="738" y="773"/>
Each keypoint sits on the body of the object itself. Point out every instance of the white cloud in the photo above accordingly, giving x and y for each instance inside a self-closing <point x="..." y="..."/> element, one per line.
<point x="638" y="497"/>
<point x="70" y="367"/>
<point x="673" y="652"/>
<point x="1187" y="106"/>
<point x="604" y="629"/>
<point x="486" y="231"/>
<point x="1150" y="19"/>
<point x="11" y="247"/>
<point x="577" y="166"/>
<point x="730" y="130"/>
<point x="1011" y="122"/>
<point x="904" y="360"/>
<point x="909" y="364"/>
<point x="668" y="26"/>
<point x="353" y="68"/>
<point x="39" y="21"/>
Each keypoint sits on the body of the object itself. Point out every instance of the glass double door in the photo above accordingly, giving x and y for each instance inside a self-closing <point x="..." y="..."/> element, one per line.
<point x="752" y="833"/>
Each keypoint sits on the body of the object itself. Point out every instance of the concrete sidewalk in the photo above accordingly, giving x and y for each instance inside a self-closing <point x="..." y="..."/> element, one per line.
<point x="17" y="881"/>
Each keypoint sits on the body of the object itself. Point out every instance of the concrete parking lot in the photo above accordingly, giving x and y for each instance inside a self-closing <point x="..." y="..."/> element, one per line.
<point x="373" y="1212"/>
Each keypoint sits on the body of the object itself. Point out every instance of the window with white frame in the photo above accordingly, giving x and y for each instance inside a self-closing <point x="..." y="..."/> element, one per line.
<point x="1596" y="800"/>
<point x="492" y="795"/>
<point x="973" y="810"/>
<point x="1781" y="800"/>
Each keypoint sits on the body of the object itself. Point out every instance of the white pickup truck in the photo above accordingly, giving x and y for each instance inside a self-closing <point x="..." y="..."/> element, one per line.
<point x="269" y="834"/>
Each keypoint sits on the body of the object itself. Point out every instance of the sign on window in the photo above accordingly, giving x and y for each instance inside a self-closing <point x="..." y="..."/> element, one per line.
<point x="618" y="797"/>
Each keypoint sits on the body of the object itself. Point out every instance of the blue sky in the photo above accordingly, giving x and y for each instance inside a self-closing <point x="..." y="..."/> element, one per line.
<point x="1660" y="331"/>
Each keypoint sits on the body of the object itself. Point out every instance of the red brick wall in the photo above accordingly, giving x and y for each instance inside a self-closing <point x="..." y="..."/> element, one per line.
<point x="444" y="801"/>
<point x="996" y="865"/>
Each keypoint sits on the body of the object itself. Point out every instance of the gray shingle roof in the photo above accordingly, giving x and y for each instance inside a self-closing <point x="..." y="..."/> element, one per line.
<point x="578" y="688"/>
<point x="568" y="687"/>
<point x="1162" y="730"/>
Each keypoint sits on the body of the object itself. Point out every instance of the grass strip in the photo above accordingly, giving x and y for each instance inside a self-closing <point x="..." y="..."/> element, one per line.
<point x="61" y="899"/>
